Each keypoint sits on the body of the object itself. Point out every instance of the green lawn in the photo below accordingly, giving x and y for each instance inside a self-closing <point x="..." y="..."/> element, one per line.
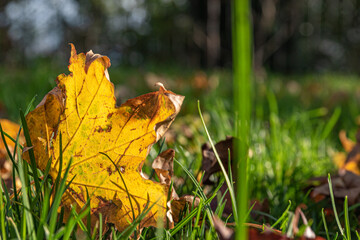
<point x="294" y="132"/>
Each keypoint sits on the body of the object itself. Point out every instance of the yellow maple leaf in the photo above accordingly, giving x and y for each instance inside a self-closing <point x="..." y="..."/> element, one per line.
<point x="82" y="109"/>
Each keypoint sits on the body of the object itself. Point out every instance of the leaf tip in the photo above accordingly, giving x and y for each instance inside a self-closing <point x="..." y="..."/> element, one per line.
<point x="73" y="50"/>
<point x="161" y="86"/>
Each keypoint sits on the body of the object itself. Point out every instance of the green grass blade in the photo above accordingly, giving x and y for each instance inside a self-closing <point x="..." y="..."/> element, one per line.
<point x="60" y="233"/>
<point x="58" y="178"/>
<point x="16" y="230"/>
<point x="74" y="218"/>
<point x="198" y="214"/>
<point x="19" y="132"/>
<point x="193" y="179"/>
<point x="7" y="197"/>
<point x="16" y="198"/>
<point x="357" y="235"/>
<point x="230" y="170"/>
<point x="114" y="236"/>
<point x="46" y="173"/>
<point x="221" y="204"/>
<point x="126" y="189"/>
<point x="17" y="142"/>
<point x="283" y="216"/>
<point x="189" y="217"/>
<point x="28" y="222"/>
<point x="132" y="228"/>
<point x="44" y="212"/>
<point x="69" y="228"/>
<point x="57" y="199"/>
<point x="79" y="218"/>
<point x="347" y="224"/>
<point x="100" y="226"/>
<point x="228" y="182"/>
<point x="93" y="236"/>
<point x="88" y="217"/>
<point x="325" y="225"/>
<point x="23" y="224"/>
<point x="198" y="188"/>
<point x="334" y="207"/>
<point x="60" y="219"/>
<point x="31" y="153"/>
<point x="2" y="214"/>
<point x="28" y="108"/>
<point x="331" y="123"/>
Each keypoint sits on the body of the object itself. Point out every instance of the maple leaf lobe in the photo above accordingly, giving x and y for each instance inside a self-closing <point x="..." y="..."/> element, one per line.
<point x="82" y="109"/>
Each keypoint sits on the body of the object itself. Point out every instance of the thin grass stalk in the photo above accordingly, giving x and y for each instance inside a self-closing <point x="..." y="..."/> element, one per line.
<point x="30" y="152"/>
<point x="357" y="235"/>
<point x="126" y="189"/>
<point x="325" y="225"/>
<point x="100" y="226"/>
<point x="15" y="228"/>
<point x="198" y="188"/>
<point x="347" y="222"/>
<point x="334" y="207"/>
<point x="2" y="214"/>
<point x="242" y="74"/>
<point x="27" y="223"/>
<point x="283" y="216"/>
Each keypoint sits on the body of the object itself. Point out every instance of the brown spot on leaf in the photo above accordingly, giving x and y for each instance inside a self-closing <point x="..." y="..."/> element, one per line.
<point x="108" y="169"/>
<point x="79" y="154"/>
<point x="99" y="129"/>
<point x="108" y="129"/>
<point x="79" y="196"/>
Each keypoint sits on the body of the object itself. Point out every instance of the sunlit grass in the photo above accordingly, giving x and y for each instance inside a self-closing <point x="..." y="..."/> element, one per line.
<point x="293" y="136"/>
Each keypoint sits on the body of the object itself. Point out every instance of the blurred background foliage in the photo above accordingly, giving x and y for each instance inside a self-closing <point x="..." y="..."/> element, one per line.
<point x="289" y="35"/>
<point x="306" y="52"/>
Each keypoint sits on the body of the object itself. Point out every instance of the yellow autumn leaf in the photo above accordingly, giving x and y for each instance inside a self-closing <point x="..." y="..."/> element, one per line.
<point x="81" y="108"/>
<point x="349" y="161"/>
<point x="12" y="129"/>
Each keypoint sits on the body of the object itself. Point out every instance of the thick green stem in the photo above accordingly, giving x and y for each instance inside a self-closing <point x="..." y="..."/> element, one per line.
<point x="242" y="70"/>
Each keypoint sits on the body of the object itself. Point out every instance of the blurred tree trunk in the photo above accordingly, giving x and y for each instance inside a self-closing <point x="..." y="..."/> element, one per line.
<point x="5" y="41"/>
<point x="213" y="33"/>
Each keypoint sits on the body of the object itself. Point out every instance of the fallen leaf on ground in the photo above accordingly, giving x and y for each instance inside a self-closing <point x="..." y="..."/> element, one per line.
<point x="211" y="166"/>
<point x="209" y="163"/>
<point x="164" y="168"/>
<point x="81" y="109"/>
<point x="347" y="181"/>
<point x="263" y="232"/>
<point x="351" y="161"/>
<point x="12" y="129"/>
<point x="178" y="205"/>
<point x="344" y="184"/>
